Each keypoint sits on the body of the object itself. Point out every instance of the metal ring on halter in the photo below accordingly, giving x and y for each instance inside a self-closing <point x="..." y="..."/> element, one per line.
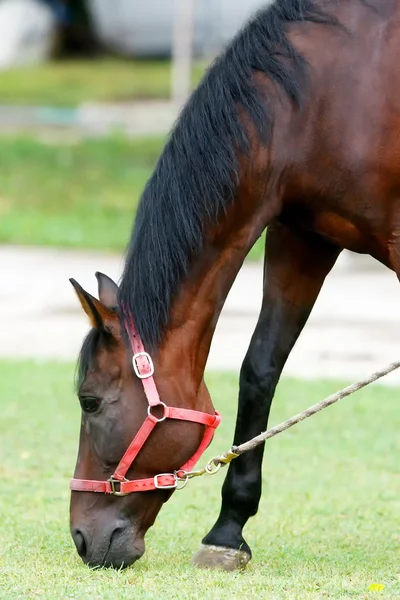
<point x="212" y="468"/>
<point x="154" y="417"/>
<point x="181" y="479"/>
<point x="115" y="484"/>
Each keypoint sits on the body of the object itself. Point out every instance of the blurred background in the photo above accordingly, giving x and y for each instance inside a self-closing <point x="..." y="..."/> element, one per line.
<point x="88" y="91"/>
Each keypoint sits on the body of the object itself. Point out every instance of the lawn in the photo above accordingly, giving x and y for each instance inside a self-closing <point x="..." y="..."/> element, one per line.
<point x="328" y="524"/>
<point x="81" y="195"/>
<point x="70" y="83"/>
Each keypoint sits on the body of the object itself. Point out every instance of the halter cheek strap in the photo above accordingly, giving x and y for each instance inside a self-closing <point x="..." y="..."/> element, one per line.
<point x="118" y="485"/>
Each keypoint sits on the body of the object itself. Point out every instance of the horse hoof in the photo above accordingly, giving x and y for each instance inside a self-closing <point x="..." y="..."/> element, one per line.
<point x="219" y="557"/>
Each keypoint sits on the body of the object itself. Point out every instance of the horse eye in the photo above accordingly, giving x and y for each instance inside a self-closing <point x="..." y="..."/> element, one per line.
<point x="89" y="404"/>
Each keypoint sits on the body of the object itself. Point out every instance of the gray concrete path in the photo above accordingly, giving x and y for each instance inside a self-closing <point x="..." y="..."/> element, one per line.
<point x="138" y="118"/>
<point x="354" y="328"/>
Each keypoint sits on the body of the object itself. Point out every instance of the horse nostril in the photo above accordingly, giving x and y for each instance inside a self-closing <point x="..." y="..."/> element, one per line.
<point x="80" y="542"/>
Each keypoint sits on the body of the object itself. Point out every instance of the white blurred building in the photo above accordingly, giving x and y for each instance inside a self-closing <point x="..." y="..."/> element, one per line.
<point x="131" y="28"/>
<point x="27" y="32"/>
<point x="144" y="27"/>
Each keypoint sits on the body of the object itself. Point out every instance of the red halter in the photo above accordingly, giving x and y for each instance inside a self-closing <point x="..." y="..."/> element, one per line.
<point x="118" y="485"/>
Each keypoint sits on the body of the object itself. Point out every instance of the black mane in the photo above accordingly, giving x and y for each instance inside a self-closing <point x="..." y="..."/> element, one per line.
<point x="195" y="177"/>
<point x="95" y="339"/>
<point x="86" y="356"/>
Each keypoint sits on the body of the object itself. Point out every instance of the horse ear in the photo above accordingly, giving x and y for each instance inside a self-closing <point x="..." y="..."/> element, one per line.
<point x="108" y="290"/>
<point x="100" y="316"/>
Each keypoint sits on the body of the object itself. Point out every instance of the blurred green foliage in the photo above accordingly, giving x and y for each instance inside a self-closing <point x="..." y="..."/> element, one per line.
<point x="81" y="195"/>
<point x="70" y="83"/>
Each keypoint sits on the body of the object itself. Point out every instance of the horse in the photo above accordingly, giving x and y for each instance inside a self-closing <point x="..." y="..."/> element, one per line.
<point x="293" y="130"/>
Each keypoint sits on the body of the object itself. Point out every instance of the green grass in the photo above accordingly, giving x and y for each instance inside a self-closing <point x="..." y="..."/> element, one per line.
<point x="77" y="196"/>
<point x="70" y="83"/>
<point x="327" y="527"/>
<point x="80" y="195"/>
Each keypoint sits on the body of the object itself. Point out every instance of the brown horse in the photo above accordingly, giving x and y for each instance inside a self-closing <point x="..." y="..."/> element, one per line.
<point x="295" y="127"/>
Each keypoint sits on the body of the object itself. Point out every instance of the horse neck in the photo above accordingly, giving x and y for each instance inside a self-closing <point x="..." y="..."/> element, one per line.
<point x="198" y="304"/>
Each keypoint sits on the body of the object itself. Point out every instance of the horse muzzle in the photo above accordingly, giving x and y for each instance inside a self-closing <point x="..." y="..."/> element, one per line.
<point x="117" y="546"/>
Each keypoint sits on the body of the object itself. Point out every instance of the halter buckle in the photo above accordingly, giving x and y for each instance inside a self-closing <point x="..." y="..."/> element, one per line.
<point x="136" y="367"/>
<point x="115" y="491"/>
<point x="160" y="486"/>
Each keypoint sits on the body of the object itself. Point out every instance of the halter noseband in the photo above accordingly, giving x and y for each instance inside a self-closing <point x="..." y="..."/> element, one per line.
<point x="118" y="485"/>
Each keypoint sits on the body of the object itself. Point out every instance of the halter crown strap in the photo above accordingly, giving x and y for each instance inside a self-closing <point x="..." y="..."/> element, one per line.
<point x="143" y="365"/>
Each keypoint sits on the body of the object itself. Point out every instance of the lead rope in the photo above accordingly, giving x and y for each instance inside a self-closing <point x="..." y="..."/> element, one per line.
<point x="214" y="465"/>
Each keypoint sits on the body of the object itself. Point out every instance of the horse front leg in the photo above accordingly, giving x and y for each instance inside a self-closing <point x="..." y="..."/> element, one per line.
<point x="295" y="267"/>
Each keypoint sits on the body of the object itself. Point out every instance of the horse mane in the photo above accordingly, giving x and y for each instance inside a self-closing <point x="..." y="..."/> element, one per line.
<point x="196" y="175"/>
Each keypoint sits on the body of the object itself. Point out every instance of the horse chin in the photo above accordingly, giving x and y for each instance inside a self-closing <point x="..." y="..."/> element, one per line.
<point x="126" y="558"/>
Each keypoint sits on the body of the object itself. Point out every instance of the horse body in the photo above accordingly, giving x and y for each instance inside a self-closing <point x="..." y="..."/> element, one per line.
<point x="343" y="147"/>
<point x="296" y="128"/>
